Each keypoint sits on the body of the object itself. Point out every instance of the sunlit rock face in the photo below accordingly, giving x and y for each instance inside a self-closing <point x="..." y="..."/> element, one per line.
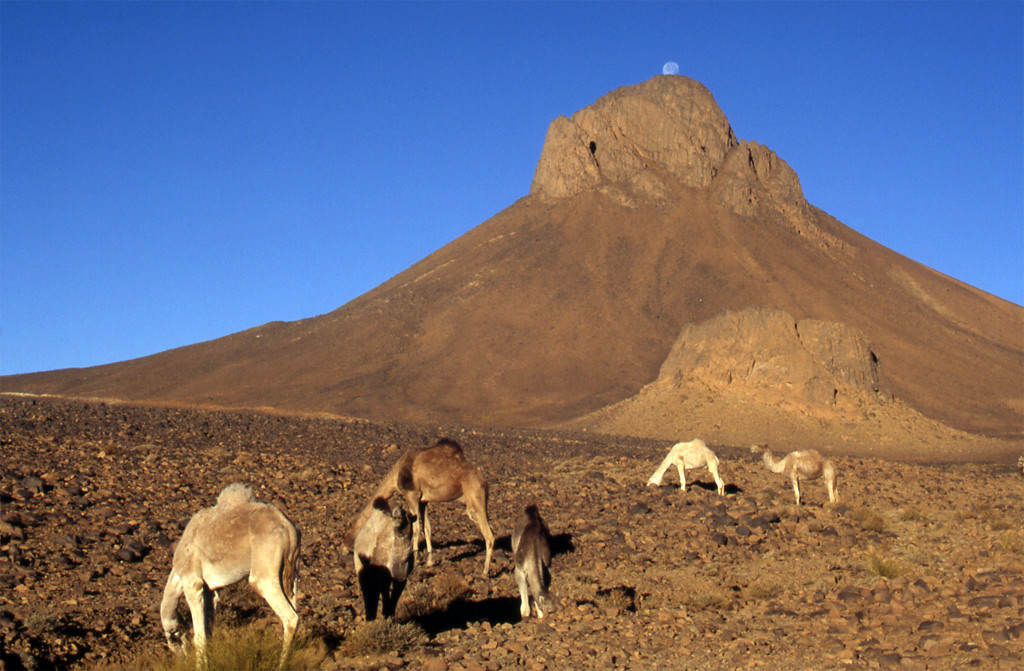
<point x="668" y="125"/>
<point x="639" y="143"/>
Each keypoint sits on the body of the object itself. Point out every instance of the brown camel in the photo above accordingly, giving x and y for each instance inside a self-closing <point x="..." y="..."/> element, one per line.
<point x="432" y="474"/>
<point x="238" y="538"/>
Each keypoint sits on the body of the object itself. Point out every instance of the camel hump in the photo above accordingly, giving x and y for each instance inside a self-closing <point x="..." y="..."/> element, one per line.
<point x="449" y="445"/>
<point x="235" y="494"/>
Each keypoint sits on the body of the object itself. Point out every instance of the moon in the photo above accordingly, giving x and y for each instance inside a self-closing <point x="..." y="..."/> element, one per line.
<point x="670" y="68"/>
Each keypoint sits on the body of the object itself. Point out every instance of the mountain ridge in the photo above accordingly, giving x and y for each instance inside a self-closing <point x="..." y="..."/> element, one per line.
<point x="570" y="299"/>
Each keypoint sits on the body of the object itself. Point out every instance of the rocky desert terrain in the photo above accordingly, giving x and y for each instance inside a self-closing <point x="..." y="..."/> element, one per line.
<point x="919" y="566"/>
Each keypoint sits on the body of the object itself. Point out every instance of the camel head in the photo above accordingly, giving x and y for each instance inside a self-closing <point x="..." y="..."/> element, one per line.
<point x="546" y="603"/>
<point x="173" y="634"/>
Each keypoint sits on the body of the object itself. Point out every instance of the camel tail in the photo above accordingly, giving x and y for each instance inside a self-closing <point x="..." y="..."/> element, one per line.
<point x="290" y="570"/>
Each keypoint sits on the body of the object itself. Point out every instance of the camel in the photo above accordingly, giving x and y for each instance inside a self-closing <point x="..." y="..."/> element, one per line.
<point x="432" y="474"/>
<point x="236" y="539"/>
<point x="694" y="454"/>
<point x="531" y="554"/>
<point x="801" y="465"/>
<point x="383" y="557"/>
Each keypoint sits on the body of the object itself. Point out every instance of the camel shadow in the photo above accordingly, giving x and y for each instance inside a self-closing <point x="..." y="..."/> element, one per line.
<point x="706" y="486"/>
<point x="460" y="613"/>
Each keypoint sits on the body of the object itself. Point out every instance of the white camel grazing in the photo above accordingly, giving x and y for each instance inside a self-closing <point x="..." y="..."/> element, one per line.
<point x="236" y="539"/>
<point x="694" y="454"/>
<point x="801" y="465"/>
<point x="432" y="474"/>
<point x="383" y="557"/>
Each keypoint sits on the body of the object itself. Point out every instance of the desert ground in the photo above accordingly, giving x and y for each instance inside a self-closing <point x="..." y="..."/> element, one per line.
<point x="918" y="566"/>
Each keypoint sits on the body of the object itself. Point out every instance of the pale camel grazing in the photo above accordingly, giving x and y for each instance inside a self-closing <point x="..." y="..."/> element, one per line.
<point x="801" y="465"/>
<point x="383" y="557"/>
<point x="694" y="454"/>
<point x="433" y="474"/>
<point x="236" y="539"/>
<point x="531" y="554"/>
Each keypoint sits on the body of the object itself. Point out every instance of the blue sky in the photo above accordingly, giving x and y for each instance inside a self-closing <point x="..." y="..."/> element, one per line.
<point x="175" y="172"/>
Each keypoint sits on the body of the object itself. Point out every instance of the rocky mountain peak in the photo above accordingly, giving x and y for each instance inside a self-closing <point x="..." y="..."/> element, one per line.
<point x="638" y="142"/>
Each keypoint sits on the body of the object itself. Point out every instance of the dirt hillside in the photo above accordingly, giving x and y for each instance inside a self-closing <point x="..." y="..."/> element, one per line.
<point x="646" y="216"/>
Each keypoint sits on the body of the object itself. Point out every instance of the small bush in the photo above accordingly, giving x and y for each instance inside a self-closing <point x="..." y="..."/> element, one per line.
<point x="995" y="520"/>
<point x="433" y="597"/>
<point x="869" y="520"/>
<point x="623" y="598"/>
<point x="1011" y="542"/>
<point x="765" y="587"/>
<point x="236" y="649"/>
<point x="884" y="567"/>
<point x="383" y="636"/>
<point x="913" y="515"/>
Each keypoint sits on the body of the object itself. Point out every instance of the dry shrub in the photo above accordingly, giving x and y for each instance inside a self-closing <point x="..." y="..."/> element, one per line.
<point x="431" y="597"/>
<point x="621" y="597"/>
<point x="912" y="514"/>
<point x="383" y="636"/>
<point x="1012" y="542"/>
<point x="996" y="521"/>
<point x="884" y="567"/>
<point x="869" y="520"/>
<point x="704" y="595"/>
<point x="235" y="649"/>
<point x="765" y="587"/>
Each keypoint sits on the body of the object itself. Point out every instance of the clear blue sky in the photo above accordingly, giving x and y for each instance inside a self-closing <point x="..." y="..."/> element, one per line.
<point x="175" y="172"/>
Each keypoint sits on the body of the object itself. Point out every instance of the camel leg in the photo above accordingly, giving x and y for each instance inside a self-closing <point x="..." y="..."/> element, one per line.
<point x="713" y="467"/>
<point x="426" y="534"/>
<point x="269" y="587"/>
<point x="796" y="488"/>
<point x="830" y="482"/>
<point x="524" y="594"/>
<point x="391" y="595"/>
<point x="369" y="585"/>
<point x="476" y="509"/>
<point x="196" y="598"/>
<point x="416" y="506"/>
<point x="682" y="474"/>
<point x="660" y="473"/>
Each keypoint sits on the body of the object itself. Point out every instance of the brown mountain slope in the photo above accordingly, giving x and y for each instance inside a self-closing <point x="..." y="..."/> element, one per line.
<point x="645" y="215"/>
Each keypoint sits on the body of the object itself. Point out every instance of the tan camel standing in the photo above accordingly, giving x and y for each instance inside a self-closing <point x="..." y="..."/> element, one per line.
<point x="801" y="465"/>
<point x="383" y="557"/>
<point x="694" y="454"/>
<point x="531" y="555"/>
<point x="236" y="539"/>
<point x="427" y="475"/>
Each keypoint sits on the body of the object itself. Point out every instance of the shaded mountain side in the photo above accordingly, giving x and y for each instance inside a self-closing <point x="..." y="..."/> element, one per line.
<point x="646" y="215"/>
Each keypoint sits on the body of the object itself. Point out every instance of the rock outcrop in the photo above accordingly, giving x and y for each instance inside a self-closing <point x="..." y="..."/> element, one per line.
<point x="640" y="143"/>
<point x="771" y="354"/>
<point x="639" y="138"/>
